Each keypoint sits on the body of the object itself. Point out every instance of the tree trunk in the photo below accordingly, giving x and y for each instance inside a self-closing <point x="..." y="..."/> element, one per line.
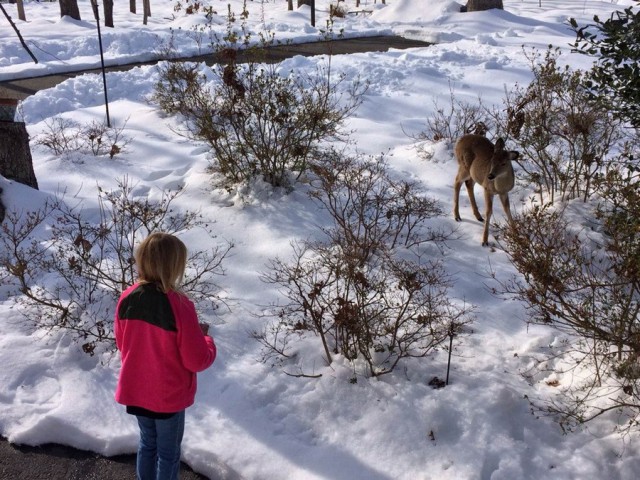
<point x="479" y="5"/>
<point x="290" y="5"/>
<point x="146" y="8"/>
<point x="108" y="13"/>
<point x="16" y="162"/>
<point x="21" y="14"/>
<point x="70" y="8"/>
<point x="94" y="8"/>
<point x="132" y="6"/>
<point x="304" y="2"/>
<point x="2" y="208"/>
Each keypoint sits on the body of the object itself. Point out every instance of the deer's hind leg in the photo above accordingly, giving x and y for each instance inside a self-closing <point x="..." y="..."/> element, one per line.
<point x="469" y="183"/>
<point x="460" y="178"/>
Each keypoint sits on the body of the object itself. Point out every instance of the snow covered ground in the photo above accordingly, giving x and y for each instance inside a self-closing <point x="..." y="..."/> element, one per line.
<point x="251" y="421"/>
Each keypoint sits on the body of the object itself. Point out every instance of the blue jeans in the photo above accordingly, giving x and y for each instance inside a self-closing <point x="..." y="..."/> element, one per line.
<point x="159" y="447"/>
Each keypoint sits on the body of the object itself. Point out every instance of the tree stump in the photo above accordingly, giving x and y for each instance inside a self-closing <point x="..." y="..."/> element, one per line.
<point x="16" y="162"/>
<point x="479" y="5"/>
<point x="304" y="2"/>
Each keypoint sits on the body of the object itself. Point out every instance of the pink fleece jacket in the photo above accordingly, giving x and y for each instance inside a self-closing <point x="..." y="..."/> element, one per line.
<point x="162" y="348"/>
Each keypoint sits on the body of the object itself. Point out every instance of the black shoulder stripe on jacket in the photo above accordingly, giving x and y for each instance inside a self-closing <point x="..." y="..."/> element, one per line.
<point x="150" y="305"/>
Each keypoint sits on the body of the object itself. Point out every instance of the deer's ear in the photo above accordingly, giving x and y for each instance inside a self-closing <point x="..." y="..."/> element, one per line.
<point x="514" y="155"/>
<point x="499" y="145"/>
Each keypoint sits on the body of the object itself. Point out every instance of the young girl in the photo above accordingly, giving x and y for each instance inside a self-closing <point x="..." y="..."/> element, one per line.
<point x="162" y="346"/>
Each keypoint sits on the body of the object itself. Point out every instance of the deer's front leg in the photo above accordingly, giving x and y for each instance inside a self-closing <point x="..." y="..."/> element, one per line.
<point x="504" y="198"/>
<point x="488" y="201"/>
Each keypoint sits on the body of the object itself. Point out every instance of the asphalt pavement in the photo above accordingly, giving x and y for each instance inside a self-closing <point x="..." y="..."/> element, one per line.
<point x="58" y="462"/>
<point x="21" y="88"/>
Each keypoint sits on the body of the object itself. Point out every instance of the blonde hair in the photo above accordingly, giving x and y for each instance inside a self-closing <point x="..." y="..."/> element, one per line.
<point x="161" y="258"/>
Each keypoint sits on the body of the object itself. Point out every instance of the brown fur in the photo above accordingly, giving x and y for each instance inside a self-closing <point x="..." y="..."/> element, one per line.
<point x="482" y="162"/>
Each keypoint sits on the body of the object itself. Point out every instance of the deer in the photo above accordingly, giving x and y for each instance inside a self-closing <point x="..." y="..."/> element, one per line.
<point x="482" y="162"/>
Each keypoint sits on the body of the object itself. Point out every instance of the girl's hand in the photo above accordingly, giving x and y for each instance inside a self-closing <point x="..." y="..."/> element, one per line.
<point x="205" y="328"/>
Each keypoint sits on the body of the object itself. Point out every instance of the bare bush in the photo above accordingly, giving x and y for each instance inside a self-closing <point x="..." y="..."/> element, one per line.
<point x="370" y="292"/>
<point x="259" y="120"/>
<point x="562" y="132"/>
<point x="63" y="136"/>
<point x="450" y="122"/>
<point x="338" y="11"/>
<point x="71" y="279"/>
<point x="589" y="287"/>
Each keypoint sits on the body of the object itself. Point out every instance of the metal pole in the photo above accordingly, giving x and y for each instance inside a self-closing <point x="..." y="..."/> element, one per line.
<point x="94" y="4"/>
<point x="446" y="382"/>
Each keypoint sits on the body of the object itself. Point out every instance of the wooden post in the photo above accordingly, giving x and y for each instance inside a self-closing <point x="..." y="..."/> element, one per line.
<point x="146" y="11"/>
<point x="21" y="14"/>
<point x="312" y="5"/>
